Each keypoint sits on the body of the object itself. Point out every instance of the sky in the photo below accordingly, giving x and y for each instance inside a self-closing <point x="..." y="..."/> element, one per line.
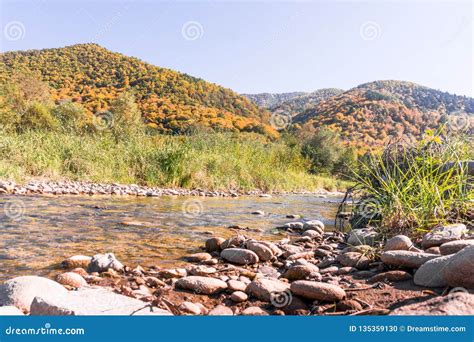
<point x="265" y="46"/>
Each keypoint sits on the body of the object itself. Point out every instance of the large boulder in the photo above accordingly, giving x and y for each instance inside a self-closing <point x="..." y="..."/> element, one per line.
<point x="364" y="236"/>
<point x="453" y="247"/>
<point x="21" y="291"/>
<point x="264" y="289"/>
<point x="201" y="285"/>
<point x="398" y="243"/>
<point x="430" y="273"/>
<point x="239" y="256"/>
<point x="317" y="291"/>
<point x="102" y="262"/>
<point x="91" y="302"/>
<point x="460" y="272"/>
<point x="460" y="303"/>
<point x="406" y="259"/>
<point x="443" y="234"/>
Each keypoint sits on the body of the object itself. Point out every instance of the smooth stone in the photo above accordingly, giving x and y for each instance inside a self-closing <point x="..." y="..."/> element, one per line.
<point x="354" y="259"/>
<point x="239" y="296"/>
<point x="76" y="261"/>
<point x="201" y="285"/>
<point x="254" y="311"/>
<point x="102" y="262"/>
<point x="202" y="270"/>
<point x="453" y="247"/>
<point x="460" y="271"/>
<point x="294" y="225"/>
<point x="10" y="311"/>
<point x="433" y="250"/>
<point x="198" y="257"/>
<point x="258" y="212"/>
<point x="443" y="234"/>
<point x="329" y="270"/>
<point x="234" y="241"/>
<point x="398" y="243"/>
<point x="239" y="256"/>
<point x="364" y="236"/>
<point x="390" y="276"/>
<point x="264" y="253"/>
<point x="406" y="259"/>
<point x="313" y="234"/>
<point x="316" y="225"/>
<point x="455" y="304"/>
<point x="264" y="288"/>
<point x="190" y="308"/>
<point x="21" y="291"/>
<point x="214" y="244"/>
<point x="71" y="279"/>
<point x="236" y="285"/>
<point x="430" y="273"/>
<point x="299" y="272"/>
<point x="317" y="291"/>
<point x="91" y="302"/>
<point x="221" y="310"/>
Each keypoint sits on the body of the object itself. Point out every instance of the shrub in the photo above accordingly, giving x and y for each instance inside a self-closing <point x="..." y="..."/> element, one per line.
<point x="38" y="116"/>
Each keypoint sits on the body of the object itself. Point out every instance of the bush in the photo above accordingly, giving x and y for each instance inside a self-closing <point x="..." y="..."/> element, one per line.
<point x="126" y="119"/>
<point x="72" y="117"/>
<point x="38" y="116"/>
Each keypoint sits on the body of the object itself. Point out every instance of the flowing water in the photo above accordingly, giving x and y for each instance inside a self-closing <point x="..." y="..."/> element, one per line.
<point x="38" y="232"/>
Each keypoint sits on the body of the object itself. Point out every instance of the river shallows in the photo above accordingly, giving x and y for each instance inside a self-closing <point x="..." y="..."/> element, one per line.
<point x="38" y="232"/>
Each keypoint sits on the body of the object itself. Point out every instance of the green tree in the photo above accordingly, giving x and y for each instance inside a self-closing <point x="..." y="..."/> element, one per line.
<point x="126" y="117"/>
<point x="38" y="116"/>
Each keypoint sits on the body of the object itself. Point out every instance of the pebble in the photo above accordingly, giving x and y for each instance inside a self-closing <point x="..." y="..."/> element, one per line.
<point x="236" y="285"/>
<point x="201" y="285"/>
<point x="390" y="276"/>
<point x="72" y="279"/>
<point x="239" y="296"/>
<point x="221" y="310"/>
<point x="398" y="242"/>
<point x="317" y="290"/>
<point x="239" y="256"/>
<point x="254" y="311"/>
<point x="214" y="244"/>
<point x="190" y="308"/>
<point x="76" y="261"/>
<point x="263" y="288"/>
<point x="198" y="257"/>
<point x="406" y="259"/>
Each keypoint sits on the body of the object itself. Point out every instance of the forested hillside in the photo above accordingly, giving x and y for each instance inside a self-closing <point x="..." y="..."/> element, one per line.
<point x="170" y="101"/>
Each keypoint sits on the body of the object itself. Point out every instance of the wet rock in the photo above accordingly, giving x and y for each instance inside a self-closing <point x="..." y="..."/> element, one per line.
<point x="254" y="311"/>
<point x="353" y="259"/>
<point x="430" y="273"/>
<point x="10" y="311"/>
<point x="459" y="272"/>
<point x="90" y="302"/>
<point x="314" y="225"/>
<point x="221" y="310"/>
<point x="453" y="247"/>
<point x="190" y="308"/>
<point x="264" y="253"/>
<point x="199" y="257"/>
<point x="365" y="236"/>
<point x="239" y="256"/>
<point x="235" y="241"/>
<point x="456" y="304"/>
<point x="391" y="276"/>
<point x="398" y="243"/>
<point x="317" y="291"/>
<point x="201" y="285"/>
<point x="214" y="244"/>
<point x="264" y="289"/>
<point x="76" y="261"/>
<point x="406" y="259"/>
<point x="299" y="272"/>
<point x="102" y="262"/>
<point x="21" y="291"/>
<point x="443" y="234"/>
<point x="239" y="296"/>
<point x="71" y="279"/>
<point x="236" y="285"/>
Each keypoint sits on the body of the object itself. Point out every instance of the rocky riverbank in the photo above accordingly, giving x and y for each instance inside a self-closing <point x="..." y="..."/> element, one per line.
<point x="93" y="189"/>
<point x="311" y="272"/>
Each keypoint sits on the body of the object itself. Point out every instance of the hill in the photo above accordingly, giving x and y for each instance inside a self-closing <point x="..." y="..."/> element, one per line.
<point x="170" y="101"/>
<point x="375" y="112"/>
<point x="269" y="100"/>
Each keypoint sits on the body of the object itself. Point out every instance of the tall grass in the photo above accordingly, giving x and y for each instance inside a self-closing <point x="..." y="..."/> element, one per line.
<point x="411" y="187"/>
<point x="210" y="161"/>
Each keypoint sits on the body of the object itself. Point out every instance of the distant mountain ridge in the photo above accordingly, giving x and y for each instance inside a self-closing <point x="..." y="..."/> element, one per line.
<point x="169" y="100"/>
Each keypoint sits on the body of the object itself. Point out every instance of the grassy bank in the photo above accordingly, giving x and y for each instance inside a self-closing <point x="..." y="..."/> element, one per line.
<point x="211" y="161"/>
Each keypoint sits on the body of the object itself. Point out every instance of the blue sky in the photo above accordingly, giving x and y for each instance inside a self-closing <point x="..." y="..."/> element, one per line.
<point x="265" y="46"/>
